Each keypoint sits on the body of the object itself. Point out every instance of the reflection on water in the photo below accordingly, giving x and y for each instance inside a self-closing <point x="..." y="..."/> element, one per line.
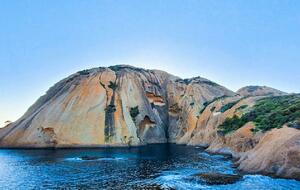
<point x="154" y="166"/>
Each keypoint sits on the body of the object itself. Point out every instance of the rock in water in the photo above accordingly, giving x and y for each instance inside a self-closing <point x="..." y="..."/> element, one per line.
<point x="152" y="187"/>
<point x="219" y="178"/>
<point x="90" y="157"/>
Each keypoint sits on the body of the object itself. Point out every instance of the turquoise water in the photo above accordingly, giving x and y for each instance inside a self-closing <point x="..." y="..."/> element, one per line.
<point x="161" y="166"/>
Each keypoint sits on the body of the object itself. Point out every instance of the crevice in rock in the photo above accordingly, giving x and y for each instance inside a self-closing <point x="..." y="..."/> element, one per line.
<point x="109" y="129"/>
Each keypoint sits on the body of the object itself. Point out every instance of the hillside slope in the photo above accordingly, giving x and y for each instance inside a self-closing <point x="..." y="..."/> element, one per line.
<point x="261" y="132"/>
<point x="259" y="91"/>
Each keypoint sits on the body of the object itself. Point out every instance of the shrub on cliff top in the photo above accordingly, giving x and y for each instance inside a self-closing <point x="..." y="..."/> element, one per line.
<point x="267" y="113"/>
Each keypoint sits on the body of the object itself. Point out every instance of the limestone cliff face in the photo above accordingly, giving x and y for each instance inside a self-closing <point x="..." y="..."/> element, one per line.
<point x="115" y="106"/>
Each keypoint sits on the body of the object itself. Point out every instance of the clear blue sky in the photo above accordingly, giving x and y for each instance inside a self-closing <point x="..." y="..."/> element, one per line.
<point x="232" y="42"/>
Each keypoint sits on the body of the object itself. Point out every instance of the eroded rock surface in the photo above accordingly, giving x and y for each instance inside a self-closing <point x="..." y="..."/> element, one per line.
<point x="128" y="106"/>
<point x="115" y="106"/>
<point x="277" y="153"/>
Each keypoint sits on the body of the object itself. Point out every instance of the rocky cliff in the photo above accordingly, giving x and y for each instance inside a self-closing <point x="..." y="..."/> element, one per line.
<point x="115" y="106"/>
<point x="261" y="133"/>
<point x="127" y="106"/>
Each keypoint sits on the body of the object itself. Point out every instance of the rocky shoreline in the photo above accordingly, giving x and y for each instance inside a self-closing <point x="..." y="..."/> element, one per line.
<point x="122" y="106"/>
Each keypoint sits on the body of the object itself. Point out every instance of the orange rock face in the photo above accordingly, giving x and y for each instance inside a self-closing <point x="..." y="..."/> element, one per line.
<point x="94" y="108"/>
<point x="128" y="106"/>
<point x="277" y="153"/>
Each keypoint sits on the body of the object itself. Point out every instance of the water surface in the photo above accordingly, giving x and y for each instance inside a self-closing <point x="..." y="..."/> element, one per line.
<point x="166" y="166"/>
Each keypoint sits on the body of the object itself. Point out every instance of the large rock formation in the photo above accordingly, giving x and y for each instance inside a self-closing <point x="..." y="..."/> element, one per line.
<point x="124" y="105"/>
<point x="115" y="106"/>
<point x="277" y="153"/>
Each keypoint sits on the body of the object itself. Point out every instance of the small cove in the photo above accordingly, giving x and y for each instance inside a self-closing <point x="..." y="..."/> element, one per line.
<point x="157" y="166"/>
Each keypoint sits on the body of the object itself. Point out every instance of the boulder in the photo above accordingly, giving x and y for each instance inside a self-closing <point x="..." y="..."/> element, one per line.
<point x="90" y="157"/>
<point x="276" y="154"/>
<point x="219" y="178"/>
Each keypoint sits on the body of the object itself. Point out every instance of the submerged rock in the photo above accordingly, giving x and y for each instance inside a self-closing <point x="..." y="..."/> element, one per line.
<point x="202" y="145"/>
<point x="90" y="157"/>
<point x="219" y="178"/>
<point x="223" y="151"/>
<point x="152" y="187"/>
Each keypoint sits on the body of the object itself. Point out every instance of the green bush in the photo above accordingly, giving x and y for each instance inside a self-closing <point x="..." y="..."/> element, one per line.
<point x="267" y="113"/>
<point x="112" y="85"/>
<point x="110" y="108"/>
<point x="276" y="111"/>
<point x="242" y="107"/>
<point x="228" y="106"/>
<point x="202" y="110"/>
<point x="84" y="72"/>
<point x="213" y="100"/>
<point x="231" y="124"/>
<point x="210" y="83"/>
<point x="134" y="112"/>
<point x="205" y="104"/>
